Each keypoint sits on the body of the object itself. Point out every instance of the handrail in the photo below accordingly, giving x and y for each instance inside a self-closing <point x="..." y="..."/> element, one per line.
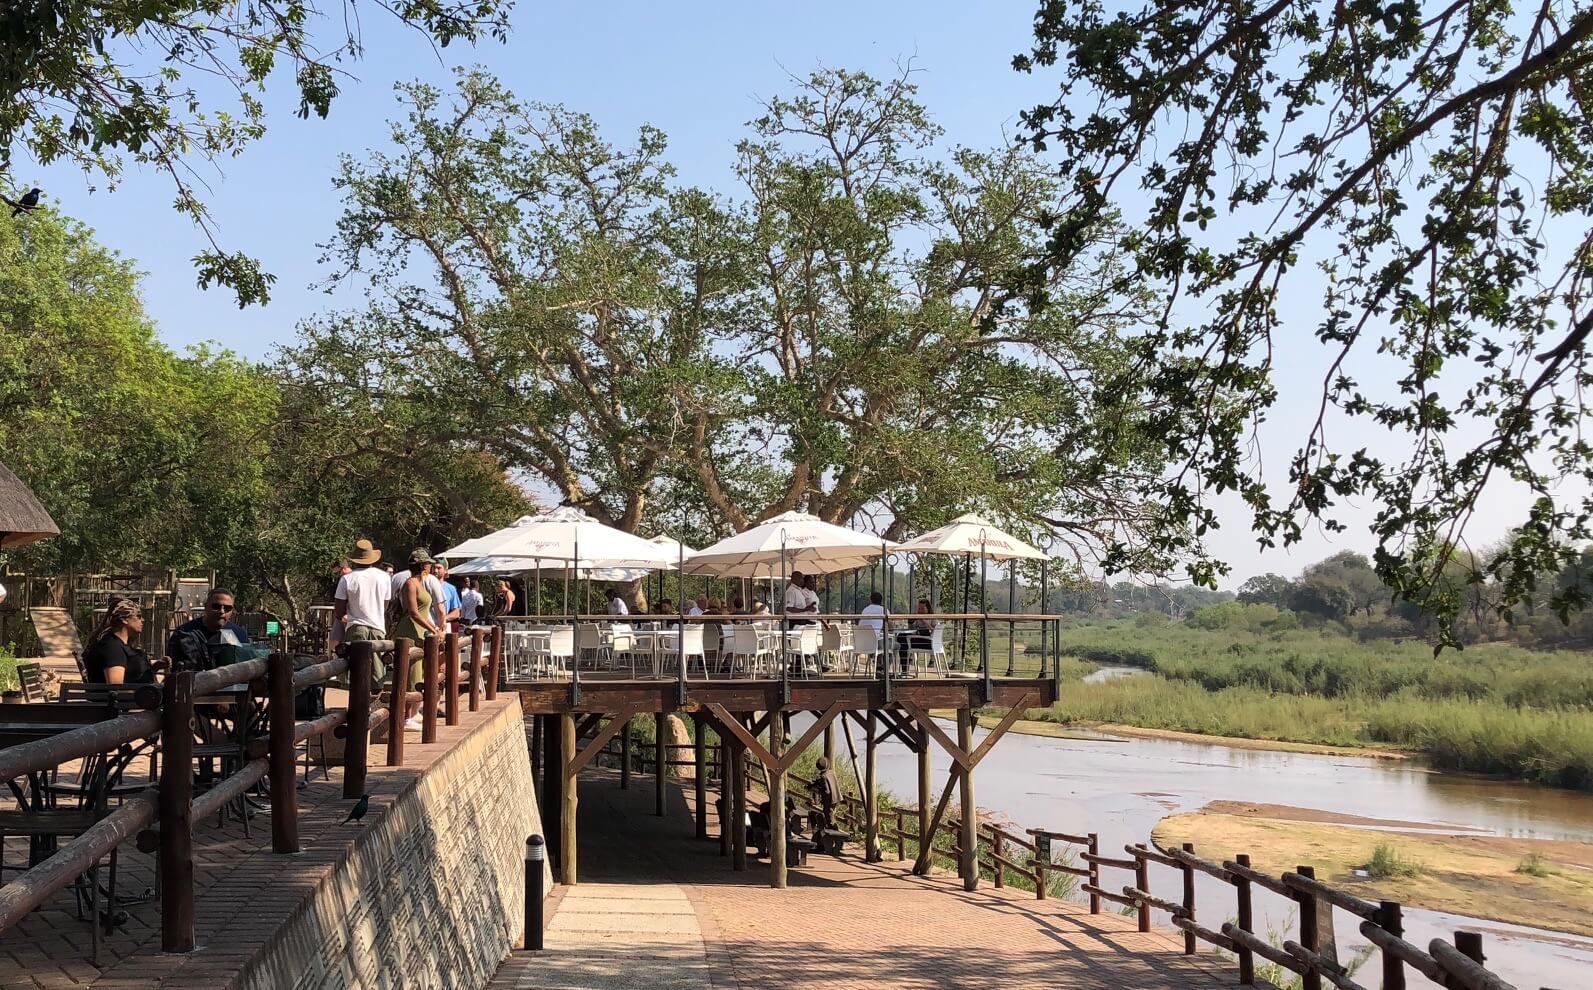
<point x="68" y="862"/>
<point x="75" y="744"/>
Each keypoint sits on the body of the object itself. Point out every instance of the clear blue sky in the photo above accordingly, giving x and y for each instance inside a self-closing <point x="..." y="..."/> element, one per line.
<point x="697" y="71"/>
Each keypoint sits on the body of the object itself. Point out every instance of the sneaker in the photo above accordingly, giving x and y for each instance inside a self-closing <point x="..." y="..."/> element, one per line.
<point x="414" y="724"/>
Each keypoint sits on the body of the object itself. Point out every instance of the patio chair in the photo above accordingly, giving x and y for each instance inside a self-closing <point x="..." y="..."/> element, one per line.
<point x="30" y="677"/>
<point x="932" y="658"/>
<point x="837" y="644"/>
<point x="752" y="646"/>
<point x="560" y="651"/>
<point x="865" y="650"/>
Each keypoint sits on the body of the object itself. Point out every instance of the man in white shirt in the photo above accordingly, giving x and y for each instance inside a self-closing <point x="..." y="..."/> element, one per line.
<point x="799" y="601"/>
<point x="359" y="612"/>
<point x="616" y="603"/>
<point x="698" y="605"/>
<point x="470" y="602"/>
<point x="875" y="607"/>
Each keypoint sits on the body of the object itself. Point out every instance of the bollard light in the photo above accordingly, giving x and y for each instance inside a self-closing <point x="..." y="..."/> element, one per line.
<point x="536" y="853"/>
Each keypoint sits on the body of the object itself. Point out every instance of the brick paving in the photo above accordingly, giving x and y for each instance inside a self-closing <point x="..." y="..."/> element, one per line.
<point x="244" y="892"/>
<point x="842" y="924"/>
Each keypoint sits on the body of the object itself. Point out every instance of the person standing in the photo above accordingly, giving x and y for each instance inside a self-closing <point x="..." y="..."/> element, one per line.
<point x="451" y="605"/>
<point x="505" y="598"/>
<point x="616" y="603"/>
<point x="417" y="619"/>
<point x="470" y="603"/>
<point x="359" y="610"/>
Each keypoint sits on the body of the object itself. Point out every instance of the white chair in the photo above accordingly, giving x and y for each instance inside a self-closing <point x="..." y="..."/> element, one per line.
<point x="865" y="647"/>
<point x="933" y="658"/>
<point x="806" y="650"/>
<point x="560" y="651"/>
<point x="837" y="644"/>
<point x="751" y="645"/>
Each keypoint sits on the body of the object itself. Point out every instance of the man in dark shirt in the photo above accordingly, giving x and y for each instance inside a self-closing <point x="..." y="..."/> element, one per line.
<point x="194" y="644"/>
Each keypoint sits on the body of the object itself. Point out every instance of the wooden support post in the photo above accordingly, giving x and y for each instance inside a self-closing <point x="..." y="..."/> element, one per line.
<point x="725" y="799"/>
<point x="552" y="782"/>
<point x="829" y="743"/>
<point x="871" y="846"/>
<point x="625" y="757"/>
<point x="567" y="804"/>
<point x="699" y="754"/>
<point x="1142" y="881"/>
<point x="1391" y="919"/>
<point x="970" y="812"/>
<point x="1189" y="900"/>
<point x="776" y="776"/>
<point x="660" y="763"/>
<point x="176" y="814"/>
<point x="398" y="687"/>
<point x="428" y="690"/>
<point x="356" y="752"/>
<point x="1310" y="935"/>
<point x="997" y="851"/>
<point x="1470" y="946"/>
<point x="738" y="806"/>
<point x="901" y="837"/>
<point x="284" y="792"/>
<point x="495" y="663"/>
<point x="1095" y="873"/>
<point x="451" y="677"/>
<point x="476" y="636"/>
<point x="924" y="838"/>
<point x="1247" y="962"/>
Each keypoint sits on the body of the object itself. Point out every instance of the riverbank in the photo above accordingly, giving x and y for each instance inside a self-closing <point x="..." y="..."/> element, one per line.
<point x="1069" y="730"/>
<point x="1536" y="882"/>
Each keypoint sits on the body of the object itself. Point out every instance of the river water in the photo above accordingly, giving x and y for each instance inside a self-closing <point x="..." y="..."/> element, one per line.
<point x="1121" y="787"/>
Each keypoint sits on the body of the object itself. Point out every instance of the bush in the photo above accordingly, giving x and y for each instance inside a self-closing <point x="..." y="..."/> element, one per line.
<point x="1535" y="865"/>
<point x="1386" y="862"/>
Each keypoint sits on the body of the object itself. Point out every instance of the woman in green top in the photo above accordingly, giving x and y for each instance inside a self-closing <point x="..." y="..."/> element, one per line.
<point x="415" y="607"/>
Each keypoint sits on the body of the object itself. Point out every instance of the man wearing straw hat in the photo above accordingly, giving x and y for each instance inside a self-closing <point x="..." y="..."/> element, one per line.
<point x="359" y="612"/>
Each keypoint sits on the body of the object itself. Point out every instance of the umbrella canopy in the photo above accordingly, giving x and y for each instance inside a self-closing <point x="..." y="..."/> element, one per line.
<point x="22" y="519"/>
<point x="482" y="546"/>
<point x="805" y="542"/>
<point x="596" y="570"/>
<point x="674" y="547"/>
<point x="569" y="537"/>
<point x="972" y="534"/>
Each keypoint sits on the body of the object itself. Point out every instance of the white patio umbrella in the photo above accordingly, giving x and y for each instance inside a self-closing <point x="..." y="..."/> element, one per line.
<point x="970" y="534"/>
<point x="481" y="546"/>
<point x="800" y="541"/>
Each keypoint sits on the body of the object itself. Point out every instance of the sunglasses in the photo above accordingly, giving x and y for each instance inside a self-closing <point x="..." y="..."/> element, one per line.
<point x="217" y="607"/>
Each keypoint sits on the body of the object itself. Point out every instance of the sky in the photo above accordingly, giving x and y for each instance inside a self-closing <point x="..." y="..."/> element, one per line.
<point x="696" y="70"/>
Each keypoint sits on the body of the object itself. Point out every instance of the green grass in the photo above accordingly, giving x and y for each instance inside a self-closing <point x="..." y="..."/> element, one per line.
<point x="1387" y="862"/>
<point x="8" y="670"/>
<point x="1496" y="709"/>
<point x="1534" y="865"/>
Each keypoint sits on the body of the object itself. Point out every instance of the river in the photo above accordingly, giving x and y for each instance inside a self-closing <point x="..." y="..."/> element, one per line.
<point x="1121" y="787"/>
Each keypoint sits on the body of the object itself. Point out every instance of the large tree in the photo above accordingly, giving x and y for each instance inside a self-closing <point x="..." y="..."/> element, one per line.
<point x="96" y="82"/>
<point x="847" y="333"/>
<point x="1423" y="168"/>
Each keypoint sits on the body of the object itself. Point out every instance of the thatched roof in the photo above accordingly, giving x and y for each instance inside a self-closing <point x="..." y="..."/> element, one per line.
<point x="22" y="519"/>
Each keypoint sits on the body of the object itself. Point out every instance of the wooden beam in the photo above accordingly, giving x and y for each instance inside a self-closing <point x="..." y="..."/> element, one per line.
<point x="788" y="760"/>
<point x="871" y="850"/>
<point x="746" y="738"/>
<point x="615" y="724"/>
<point x="777" y="864"/>
<point x="567" y="803"/>
<point x="970" y="811"/>
<point x="902" y="728"/>
<point x="587" y="724"/>
<point x="926" y="723"/>
<point x="926" y="837"/>
<point x="1013" y="714"/>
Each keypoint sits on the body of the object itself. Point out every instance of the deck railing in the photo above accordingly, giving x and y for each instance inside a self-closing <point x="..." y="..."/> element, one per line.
<point x="161" y="818"/>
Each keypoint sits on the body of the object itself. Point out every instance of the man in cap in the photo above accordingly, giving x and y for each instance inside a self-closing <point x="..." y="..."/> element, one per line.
<point x="359" y="611"/>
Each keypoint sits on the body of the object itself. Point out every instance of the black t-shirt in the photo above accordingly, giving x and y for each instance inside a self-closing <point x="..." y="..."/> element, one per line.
<point x="109" y="652"/>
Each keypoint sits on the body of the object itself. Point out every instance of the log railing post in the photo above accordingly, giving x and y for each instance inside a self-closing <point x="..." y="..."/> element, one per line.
<point x="1041" y="860"/>
<point x="284" y="792"/>
<point x="625" y="756"/>
<point x="476" y="637"/>
<point x="176" y="814"/>
<point x="1142" y="881"/>
<point x="428" y="690"/>
<point x="496" y="663"/>
<point x="451" y="677"/>
<point x="1310" y="934"/>
<point x="1189" y="900"/>
<point x="1247" y="962"/>
<point x="398" y="687"/>
<point x="699" y="754"/>
<point x="356" y="752"/>
<point x="1470" y="946"/>
<point x="1390" y="918"/>
<point x="1095" y="873"/>
<point x="901" y="836"/>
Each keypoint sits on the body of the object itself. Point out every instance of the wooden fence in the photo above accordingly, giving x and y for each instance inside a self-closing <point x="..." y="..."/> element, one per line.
<point x="162" y="817"/>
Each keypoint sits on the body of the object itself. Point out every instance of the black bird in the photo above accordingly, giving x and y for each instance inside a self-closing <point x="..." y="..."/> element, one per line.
<point x="29" y="200"/>
<point x="360" y="807"/>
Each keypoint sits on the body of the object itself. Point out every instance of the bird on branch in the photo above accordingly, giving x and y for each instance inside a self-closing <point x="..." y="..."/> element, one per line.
<point x="28" y="202"/>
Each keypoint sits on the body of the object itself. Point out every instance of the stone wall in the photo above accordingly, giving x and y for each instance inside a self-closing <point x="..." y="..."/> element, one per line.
<point x="430" y="894"/>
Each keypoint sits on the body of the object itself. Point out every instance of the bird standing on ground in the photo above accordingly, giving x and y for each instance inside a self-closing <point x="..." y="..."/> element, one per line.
<point x="360" y="807"/>
<point x="29" y="200"/>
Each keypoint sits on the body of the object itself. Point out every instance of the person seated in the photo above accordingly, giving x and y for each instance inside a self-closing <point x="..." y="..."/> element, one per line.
<point x="111" y="657"/>
<point x="195" y="644"/>
<point x="616" y="603"/>
<point x="918" y="636"/>
<point x="737" y="606"/>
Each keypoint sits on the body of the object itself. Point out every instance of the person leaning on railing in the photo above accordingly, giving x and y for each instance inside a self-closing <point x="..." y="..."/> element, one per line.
<point x="111" y="658"/>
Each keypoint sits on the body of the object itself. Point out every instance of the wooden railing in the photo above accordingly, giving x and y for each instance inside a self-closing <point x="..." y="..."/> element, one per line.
<point x="162" y="817"/>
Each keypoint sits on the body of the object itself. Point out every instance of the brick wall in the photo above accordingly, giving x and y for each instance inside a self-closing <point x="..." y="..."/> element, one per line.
<point x="430" y="895"/>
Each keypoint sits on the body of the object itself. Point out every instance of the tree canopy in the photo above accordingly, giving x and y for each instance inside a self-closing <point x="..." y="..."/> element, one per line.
<point x="94" y="83"/>
<point x="1424" y="167"/>
<point x="848" y="334"/>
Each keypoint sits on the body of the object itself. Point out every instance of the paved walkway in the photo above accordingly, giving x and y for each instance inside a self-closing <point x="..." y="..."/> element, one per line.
<point x="842" y="924"/>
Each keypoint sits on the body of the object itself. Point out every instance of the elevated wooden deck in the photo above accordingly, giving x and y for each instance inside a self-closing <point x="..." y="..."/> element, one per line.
<point x="601" y="694"/>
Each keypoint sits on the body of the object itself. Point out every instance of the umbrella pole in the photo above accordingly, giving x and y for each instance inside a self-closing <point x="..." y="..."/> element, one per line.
<point x="1012" y="606"/>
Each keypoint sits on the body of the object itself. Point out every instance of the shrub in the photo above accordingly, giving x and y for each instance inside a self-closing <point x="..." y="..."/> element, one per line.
<point x="1387" y="862"/>
<point x="1534" y="865"/>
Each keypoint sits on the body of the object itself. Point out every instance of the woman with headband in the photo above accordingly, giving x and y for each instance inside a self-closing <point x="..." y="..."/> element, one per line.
<point x="111" y="657"/>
